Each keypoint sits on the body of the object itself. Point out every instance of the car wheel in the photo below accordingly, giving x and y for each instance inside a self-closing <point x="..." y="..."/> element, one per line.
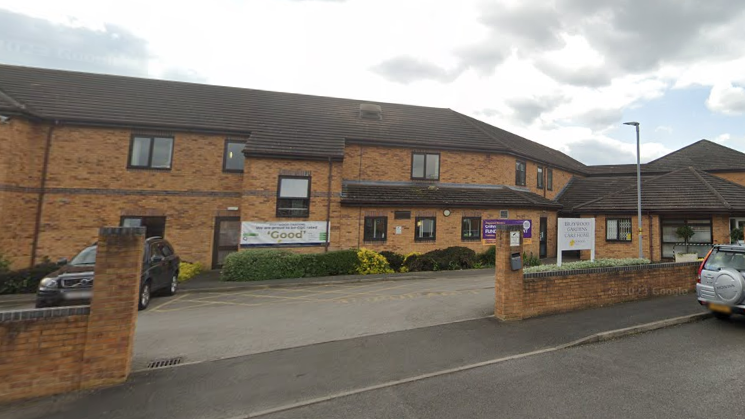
<point x="41" y="304"/>
<point x="722" y="316"/>
<point x="173" y="286"/>
<point x="145" y="292"/>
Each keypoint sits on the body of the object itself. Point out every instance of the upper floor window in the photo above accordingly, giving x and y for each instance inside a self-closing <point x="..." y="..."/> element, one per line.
<point x="470" y="228"/>
<point x="425" y="166"/>
<point x="151" y="152"/>
<point x="426" y="229"/>
<point x="618" y="229"/>
<point x="293" y="196"/>
<point x="539" y="185"/>
<point x="520" y="173"/>
<point x="233" y="156"/>
<point x="375" y="228"/>
<point x="550" y="179"/>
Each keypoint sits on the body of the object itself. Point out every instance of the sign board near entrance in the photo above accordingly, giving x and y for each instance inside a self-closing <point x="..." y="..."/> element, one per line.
<point x="489" y="230"/>
<point x="576" y="234"/>
<point x="300" y="233"/>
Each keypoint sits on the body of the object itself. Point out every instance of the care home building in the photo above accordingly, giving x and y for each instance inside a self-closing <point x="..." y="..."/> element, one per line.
<point x="214" y="169"/>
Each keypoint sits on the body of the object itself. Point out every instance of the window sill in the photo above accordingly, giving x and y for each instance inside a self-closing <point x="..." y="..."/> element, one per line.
<point x="235" y="172"/>
<point x="425" y="240"/>
<point x="470" y="239"/>
<point x="157" y="169"/>
<point x="618" y="241"/>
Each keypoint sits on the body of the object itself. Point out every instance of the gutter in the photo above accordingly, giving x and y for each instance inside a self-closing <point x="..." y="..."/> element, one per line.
<point x="42" y="192"/>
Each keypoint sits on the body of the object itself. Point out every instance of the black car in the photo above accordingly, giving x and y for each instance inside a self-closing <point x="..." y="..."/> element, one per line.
<point x="73" y="282"/>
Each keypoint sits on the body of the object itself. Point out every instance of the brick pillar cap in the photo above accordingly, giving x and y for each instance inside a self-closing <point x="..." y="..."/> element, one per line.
<point x="122" y="231"/>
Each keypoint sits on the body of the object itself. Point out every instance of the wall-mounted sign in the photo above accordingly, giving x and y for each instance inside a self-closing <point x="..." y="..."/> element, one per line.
<point x="297" y="233"/>
<point x="399" y="229"/>
<point x="489" y="230"/>
<point x="576" y="234"/>
<point x="514" y="238"/>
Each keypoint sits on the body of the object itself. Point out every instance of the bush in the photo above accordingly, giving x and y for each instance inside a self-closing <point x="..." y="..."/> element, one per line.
<point x="586" y="264"/>
<point x="187" y="271"/>
<point x="531" y="260"/>
<point x="395" y="260"/>
<point x="339" y="262"/>
<point x="372" y="263"/>
<point x="24" y="281"/>
<point x="452" y="258"/>
<point x="259" y="265"/>
<point x="489" y="256"/>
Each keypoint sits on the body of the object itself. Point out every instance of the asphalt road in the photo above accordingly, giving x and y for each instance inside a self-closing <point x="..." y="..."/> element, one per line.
<point x="689" y="371"/>
<point x="209" y="326"/>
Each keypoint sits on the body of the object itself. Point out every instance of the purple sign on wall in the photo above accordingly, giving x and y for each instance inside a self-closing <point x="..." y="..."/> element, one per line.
<point x="490" y="231"/>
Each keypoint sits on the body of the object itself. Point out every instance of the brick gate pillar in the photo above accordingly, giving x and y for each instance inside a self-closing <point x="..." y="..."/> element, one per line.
<point x="107" y="357"/>
<point x="508" y="283"/>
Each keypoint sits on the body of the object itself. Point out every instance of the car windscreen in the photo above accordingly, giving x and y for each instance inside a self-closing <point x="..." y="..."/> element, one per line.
<point x="721" y="259"/>
<point x="86" y="257"/>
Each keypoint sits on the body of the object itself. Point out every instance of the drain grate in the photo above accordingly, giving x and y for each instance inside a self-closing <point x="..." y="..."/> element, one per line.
<point x="162" y="363"/>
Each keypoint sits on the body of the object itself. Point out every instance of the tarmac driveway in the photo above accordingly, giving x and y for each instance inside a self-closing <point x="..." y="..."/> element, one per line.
<point x="201" y="326"/>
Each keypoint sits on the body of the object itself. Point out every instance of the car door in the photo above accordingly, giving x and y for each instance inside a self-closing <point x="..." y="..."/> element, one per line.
<point x="157" y="266"/>
<point x="172" y="261"/>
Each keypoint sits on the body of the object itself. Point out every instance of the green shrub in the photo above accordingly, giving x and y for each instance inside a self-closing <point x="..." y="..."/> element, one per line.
<point x="339" y="262"/>
<point x="371" y="262"/>
<point x="531" y="260"/>
<point x="4" y="264"/>
<point x="259" y="265"/>
<point x="187" y="271"/>
<point x="396" y="260"/>
<point x="488" y="256"/>
<point x="23" y="281"/>
<point x="586" y="264"/>
<point x="452" y="258"/>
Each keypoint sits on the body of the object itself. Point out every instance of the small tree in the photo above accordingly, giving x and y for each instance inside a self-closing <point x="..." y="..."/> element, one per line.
<point x="685" y="232"/>
<point x="736" y="235"/>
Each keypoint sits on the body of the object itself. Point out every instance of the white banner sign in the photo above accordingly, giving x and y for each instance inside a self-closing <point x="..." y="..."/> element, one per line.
<point x="576" y="234"/>
<point x="299" y="233"/>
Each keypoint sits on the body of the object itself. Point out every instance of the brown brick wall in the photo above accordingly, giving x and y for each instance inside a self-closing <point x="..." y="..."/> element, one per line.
<point x="394" y="164"/>
<point x="736" y="177"/>
<point x="616" y="249"/>
<point x="41" y="356"/>
<point x="57" y="350"/>
<point x="599" y="287"/>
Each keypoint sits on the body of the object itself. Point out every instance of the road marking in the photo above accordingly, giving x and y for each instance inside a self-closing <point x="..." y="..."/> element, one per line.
<point x="171" y="301"/>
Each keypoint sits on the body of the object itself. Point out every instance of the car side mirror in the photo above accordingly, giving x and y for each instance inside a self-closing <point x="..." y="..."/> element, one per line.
<point x="156" y="259"/>
<point x="62" y="262"/>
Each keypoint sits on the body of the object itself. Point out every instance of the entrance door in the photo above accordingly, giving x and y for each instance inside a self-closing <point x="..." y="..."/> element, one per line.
<point x="543" y="248"/>
<point x="227" y="239"/>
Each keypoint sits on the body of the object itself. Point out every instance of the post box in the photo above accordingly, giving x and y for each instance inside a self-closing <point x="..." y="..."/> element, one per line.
<point x="516" y="261"/>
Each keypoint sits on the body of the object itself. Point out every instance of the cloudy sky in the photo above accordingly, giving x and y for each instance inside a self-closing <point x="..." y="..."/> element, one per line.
<point x="565" y="73"/>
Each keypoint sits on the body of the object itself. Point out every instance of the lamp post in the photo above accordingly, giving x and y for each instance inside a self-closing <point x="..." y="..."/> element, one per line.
<point x="638" y="187"/>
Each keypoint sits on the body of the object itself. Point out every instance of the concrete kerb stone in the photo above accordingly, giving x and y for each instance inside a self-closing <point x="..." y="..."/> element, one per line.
<point x="595" y="338"/>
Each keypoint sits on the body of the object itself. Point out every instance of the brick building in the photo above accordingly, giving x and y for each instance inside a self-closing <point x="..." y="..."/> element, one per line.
<point x="213" y="168"/>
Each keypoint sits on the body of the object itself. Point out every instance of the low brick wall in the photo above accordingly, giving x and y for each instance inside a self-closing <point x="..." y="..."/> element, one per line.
<point x="556" y="292"/>
<point x="42" y="351"/>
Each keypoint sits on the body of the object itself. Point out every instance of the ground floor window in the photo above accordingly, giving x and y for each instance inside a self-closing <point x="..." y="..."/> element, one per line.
<point x="736" y="224"/>
<point x="154" y="226"/>
<point x="699" y="243"/>
<point x="471" y="229"/>
<point x="618" y="229"/>
<point x="375" y="228"/>
<point x="426" y="229"/>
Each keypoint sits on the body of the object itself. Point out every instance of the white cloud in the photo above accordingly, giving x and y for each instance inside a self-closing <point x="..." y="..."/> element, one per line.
<point x="664" y="129"/>
<point x="727" y="99"/>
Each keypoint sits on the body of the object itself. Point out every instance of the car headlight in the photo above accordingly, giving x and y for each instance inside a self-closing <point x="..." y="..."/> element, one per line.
<point x="48" y="283"/>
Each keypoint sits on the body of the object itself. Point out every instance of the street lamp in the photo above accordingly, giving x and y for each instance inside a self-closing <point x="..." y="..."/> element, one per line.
<point x="638" y="187"/>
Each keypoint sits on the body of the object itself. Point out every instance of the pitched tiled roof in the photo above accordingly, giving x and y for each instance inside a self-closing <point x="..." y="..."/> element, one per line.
<point x="359" y="194"/>
<point x="704" y="155"/>
<point x="581" y="190"/>
<point x="279" y="124"/>
<point x="687" y="190"/>
<point x="622" y="170"/>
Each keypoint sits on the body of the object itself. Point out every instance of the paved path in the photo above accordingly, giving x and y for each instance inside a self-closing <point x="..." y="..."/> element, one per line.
<point x="236" y="387"/>
<point x="214" y="325"/>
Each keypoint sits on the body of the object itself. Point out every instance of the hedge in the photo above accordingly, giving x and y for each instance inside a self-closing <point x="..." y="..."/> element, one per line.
<point x="451" y="258"/>
<point x="25" y="281"/>
<point x="586" y="264"/>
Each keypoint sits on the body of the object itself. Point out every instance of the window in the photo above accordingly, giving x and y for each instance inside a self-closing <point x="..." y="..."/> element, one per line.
<point x="425" y="166"/>
<point x="402" y="215"/>
<point x="550" y="179"/>
<point x="539" y="185"/>
<point x="375" y="229"/>
<point x="700" y="242"/>
<point x="504" y="214"/>
<point x="470" y="229"/>
<point x="154" y="226"/>
<point x="151" y="152"/>
<point x="618" y="229"/>
<point x="520" y="173"/>
<point x="293" y="196"/>
<point x="233" y="156"/>
<point x="425" y="229"/>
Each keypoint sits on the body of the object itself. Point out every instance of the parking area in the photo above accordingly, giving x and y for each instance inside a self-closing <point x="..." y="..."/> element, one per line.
<point x="200" y="326"/>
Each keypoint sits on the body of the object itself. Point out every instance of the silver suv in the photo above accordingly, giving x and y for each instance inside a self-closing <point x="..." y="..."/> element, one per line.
<point x="721" y="286"/>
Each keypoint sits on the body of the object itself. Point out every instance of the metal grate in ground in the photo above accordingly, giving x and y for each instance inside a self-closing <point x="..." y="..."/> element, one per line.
<point x="163" y="363"/>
